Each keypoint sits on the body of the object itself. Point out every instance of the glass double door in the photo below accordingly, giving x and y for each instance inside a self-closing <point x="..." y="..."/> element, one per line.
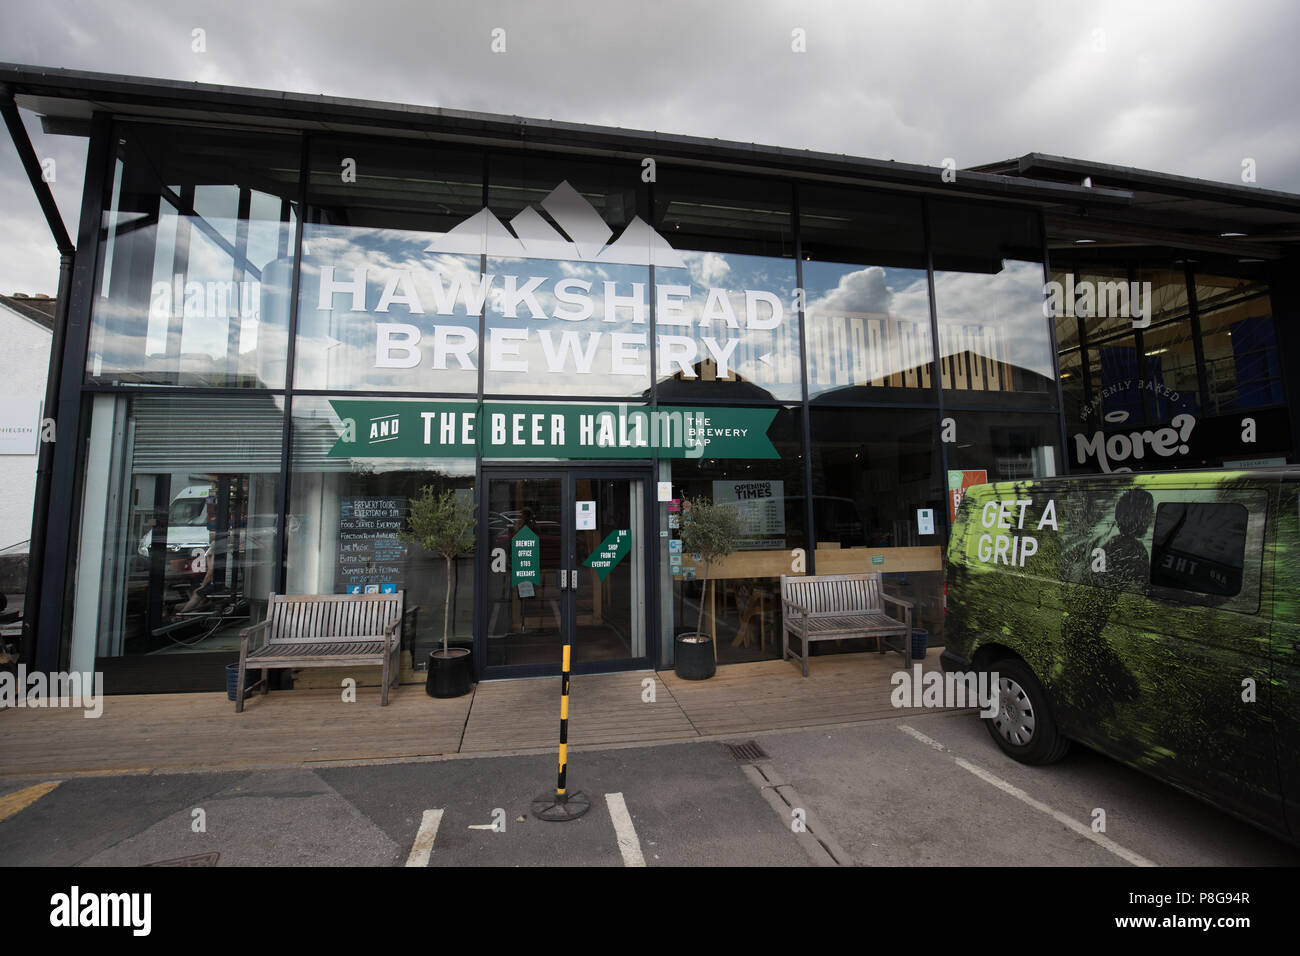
<point x="565" y="556"/>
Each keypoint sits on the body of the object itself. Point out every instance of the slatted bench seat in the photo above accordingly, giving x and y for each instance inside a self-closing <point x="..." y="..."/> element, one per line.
<point x="324" y="630"/>
<point x="831" y="607"/>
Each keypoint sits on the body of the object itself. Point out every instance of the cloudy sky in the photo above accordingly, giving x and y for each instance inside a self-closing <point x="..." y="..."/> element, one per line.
<point x="1187" y="87"/>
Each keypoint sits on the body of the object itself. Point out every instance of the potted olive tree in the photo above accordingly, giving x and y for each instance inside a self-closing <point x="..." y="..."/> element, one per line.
<point x="444" y="524"/>
<point x="709" y="532"/>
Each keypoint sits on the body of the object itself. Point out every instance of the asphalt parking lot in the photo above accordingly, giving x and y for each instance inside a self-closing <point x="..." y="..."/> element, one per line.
<point x="927" y="790"/>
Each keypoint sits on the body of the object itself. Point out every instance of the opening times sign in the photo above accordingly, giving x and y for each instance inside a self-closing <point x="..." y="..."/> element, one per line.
<point x="397" y="429"/>
<point x="612" y="550"/>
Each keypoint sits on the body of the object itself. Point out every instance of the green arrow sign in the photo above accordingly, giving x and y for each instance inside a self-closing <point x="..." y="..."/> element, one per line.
<point x="611" y="551"/>
<point x="525" y="557"/>
<point x="413" y="429"/>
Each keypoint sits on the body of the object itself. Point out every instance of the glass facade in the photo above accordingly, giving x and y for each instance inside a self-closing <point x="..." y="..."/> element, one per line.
<point x="178" y="549"/>
<point x="994" y="345"/>
<point x="196" y="259"/>
<point x="344" y="524"/>
<point x="291" y="343"/>
<point x="868" y="301"/>
<point x="1167" y="347"/>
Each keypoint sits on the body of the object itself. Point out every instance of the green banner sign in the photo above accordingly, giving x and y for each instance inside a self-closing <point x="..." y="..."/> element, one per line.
<point x="398" y="429"/>
<point x="525" y="557"/>
<point x="611" y="551"/>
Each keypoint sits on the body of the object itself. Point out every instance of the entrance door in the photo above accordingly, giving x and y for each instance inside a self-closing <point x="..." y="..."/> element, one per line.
<point x="566" y="555"/>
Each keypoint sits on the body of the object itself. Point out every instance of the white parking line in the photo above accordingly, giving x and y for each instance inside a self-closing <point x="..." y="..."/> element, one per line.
<point x="913" y="732"/>
<point x="1075" y="825"/>
<point x="423" y="846"/>
<point x="1104" y="842"/>
<point x="628" y="844"/>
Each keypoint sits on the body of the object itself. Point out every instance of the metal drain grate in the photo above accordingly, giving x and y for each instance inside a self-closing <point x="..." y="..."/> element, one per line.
<point x="747" y="752"/>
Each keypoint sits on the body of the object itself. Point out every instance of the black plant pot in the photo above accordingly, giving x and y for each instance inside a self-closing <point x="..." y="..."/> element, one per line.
<point x="693" y="659"/>
<point x="451" y="675"/>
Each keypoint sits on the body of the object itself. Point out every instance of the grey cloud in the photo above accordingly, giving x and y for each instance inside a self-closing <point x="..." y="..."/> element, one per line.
<point x="1189" y="88"/>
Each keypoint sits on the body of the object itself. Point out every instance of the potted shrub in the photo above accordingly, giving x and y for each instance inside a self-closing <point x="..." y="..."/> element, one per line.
<point x="709" y="530"/>
<point x="444" y="524"/>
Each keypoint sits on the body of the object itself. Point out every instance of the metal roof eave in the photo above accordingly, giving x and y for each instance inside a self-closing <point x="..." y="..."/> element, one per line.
<point x="1134" y="179"/>
<point x="77" y="94"/>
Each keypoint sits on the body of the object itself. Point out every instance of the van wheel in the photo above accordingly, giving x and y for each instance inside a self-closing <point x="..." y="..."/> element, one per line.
<point x="1024" y="726"/>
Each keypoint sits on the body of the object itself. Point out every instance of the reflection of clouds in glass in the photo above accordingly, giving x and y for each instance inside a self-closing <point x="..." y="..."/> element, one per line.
<point x="766" y="357"/>
<point x="556" y="351"/>
<point x="336" y="347"/>
<point x="1011" y="303"/>
<point x="218" y="314"/>
<point x="706" y="268"/>
<point x="566" y="328"/>
<point x="868" y="326"/>
<point x="874" y="289"/>
<point x="347" y="249"/>
<point x="584" y="270"/>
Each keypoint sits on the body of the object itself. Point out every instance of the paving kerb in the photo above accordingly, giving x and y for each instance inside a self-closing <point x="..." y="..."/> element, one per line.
<point x="17" y="780"/>
<point x="575" y="747"/>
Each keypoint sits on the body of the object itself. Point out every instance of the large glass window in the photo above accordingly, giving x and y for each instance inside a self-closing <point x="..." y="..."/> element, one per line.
<point x="744" y="609"/>
<point x="345" y="524"/>
<point x="178" y="536"/>
<point x="1137" y="339"/>
<point x="1170" y="381"/>
<point x="994" y="341"/>
<point x="726" y="323"/>
<point x="878" y="503"/>
<point x="1003" y="446"/>
<point x="569" y="308"/>
<point x="1242" y="365"/>
<point x="868" y="305"/>
<point x="392" y="292"/>
<point x="197" y="259"/>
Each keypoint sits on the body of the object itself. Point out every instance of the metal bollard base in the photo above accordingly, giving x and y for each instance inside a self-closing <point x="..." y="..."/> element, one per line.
<point x="558" y="808"/>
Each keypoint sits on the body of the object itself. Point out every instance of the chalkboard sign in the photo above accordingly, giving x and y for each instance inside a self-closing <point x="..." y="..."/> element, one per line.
<point x="371" y="556"/>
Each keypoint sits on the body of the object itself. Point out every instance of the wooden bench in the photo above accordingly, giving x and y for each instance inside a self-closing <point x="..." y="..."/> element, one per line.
<point x="831" y="607"/>
<point x="324" y="630"/>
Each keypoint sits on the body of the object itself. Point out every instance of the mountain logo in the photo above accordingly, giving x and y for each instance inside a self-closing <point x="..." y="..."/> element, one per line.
<point x="585" y="235"/>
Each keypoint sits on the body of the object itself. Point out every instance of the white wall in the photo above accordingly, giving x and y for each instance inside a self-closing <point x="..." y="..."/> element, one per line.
<point x="24" y="366"/>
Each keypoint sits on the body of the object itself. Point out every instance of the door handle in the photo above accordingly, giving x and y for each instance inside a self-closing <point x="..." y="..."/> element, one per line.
<point x="564" y="580"/>
<point x="574" y="585"/>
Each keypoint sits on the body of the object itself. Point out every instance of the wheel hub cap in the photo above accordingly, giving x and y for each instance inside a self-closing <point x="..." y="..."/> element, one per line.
<point x="1015" y="720"/>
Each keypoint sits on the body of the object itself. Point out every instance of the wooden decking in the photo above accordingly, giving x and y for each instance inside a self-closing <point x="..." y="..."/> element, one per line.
<point x="304" y="727"/>
<point x="770" y="695"/>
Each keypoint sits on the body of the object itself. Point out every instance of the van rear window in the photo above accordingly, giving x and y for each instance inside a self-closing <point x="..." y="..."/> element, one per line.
<point x="1199" y="547"/>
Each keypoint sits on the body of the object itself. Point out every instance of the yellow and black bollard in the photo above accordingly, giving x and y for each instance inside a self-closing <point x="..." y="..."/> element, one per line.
<point x="562" y="805"/>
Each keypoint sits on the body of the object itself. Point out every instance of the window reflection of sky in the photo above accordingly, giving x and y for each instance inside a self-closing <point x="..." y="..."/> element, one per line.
<point x="585" y="355"/>
<point x="573" y="343"/>
<point x="768" y="358"/>
<point x="1010" y="302"/>
<point x="336" y="347"/>
<point x="866" y="325"/>
<point x="223" y="326"/>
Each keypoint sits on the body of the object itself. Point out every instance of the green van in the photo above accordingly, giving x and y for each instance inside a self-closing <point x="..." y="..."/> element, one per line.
<point x="1152" y="617"/>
